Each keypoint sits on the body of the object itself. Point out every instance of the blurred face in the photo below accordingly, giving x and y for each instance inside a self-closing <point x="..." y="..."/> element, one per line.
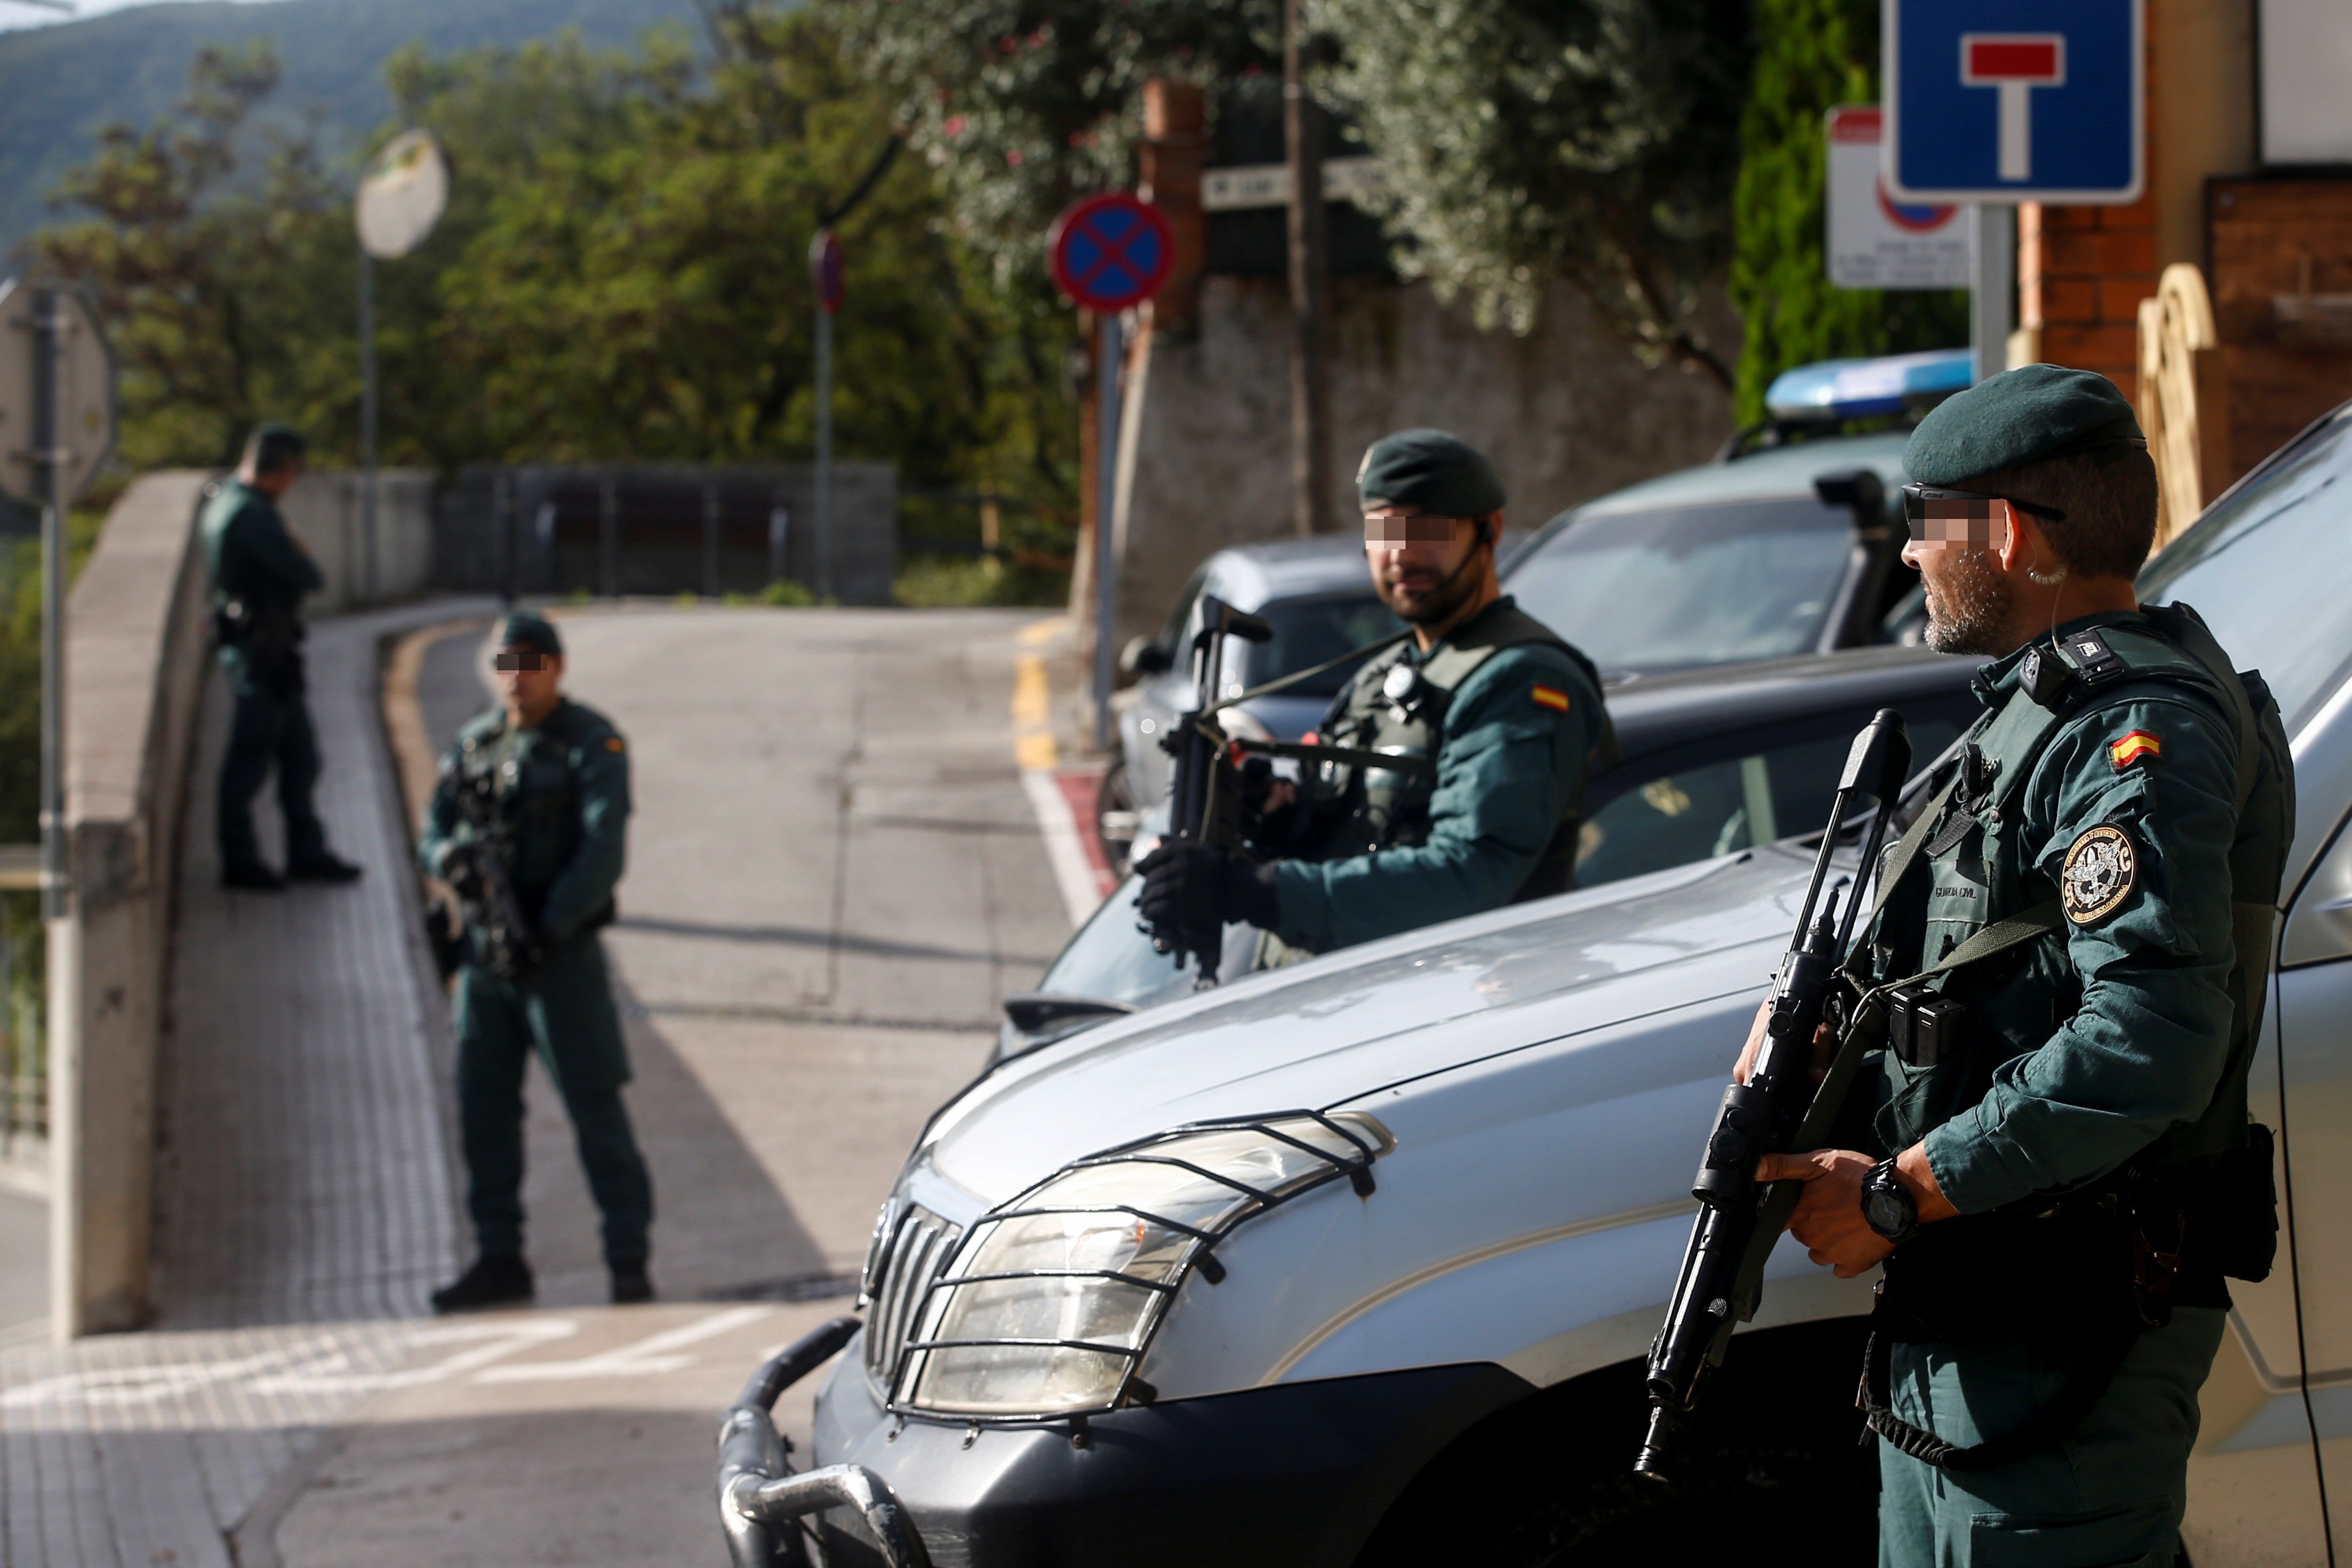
<point x="527" y="678"/>
<point x="278" y="481"/>
<point x="1957" y="547"/>
<point x="1422" y="565"/>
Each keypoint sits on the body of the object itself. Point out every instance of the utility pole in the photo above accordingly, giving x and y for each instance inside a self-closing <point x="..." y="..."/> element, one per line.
<point x="49" y="328"/>
<point x="826" y="279"/>
<point x="1992" y="289"/>
<point x="366" y="573"/>
<point x="1310" y="387"/>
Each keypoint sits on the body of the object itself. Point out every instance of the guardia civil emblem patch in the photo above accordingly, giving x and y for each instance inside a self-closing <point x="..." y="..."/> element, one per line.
<point x="2101" y="870"/>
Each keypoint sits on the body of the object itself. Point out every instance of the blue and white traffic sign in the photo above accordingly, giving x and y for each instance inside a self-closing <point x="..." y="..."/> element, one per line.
<point x="2015" y="100"/>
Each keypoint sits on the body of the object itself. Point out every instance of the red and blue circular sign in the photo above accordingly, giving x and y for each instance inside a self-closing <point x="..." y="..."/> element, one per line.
<point x="825" y="269"/>
<point x="1110" y="252"/>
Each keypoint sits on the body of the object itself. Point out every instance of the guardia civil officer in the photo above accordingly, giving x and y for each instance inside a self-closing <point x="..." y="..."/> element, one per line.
<point x="2056" y="1165"/>
<point x="556" y="776"/>
<point x="259" y="572"/>
<point x="1496" y="723"/>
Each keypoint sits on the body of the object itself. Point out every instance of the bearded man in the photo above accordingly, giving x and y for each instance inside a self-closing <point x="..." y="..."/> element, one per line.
<point x="1494" y="721"/>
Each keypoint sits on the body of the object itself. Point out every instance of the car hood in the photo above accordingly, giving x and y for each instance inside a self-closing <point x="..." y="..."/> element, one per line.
<point x="1366" y="1020"/>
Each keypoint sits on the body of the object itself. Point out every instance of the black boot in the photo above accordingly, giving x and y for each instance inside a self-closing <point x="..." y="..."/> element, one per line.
<point x="495" y="1279"/>
<point x="322" y="867"/>
<point x="631" y="1284"/>
<point x="255" y="877"/>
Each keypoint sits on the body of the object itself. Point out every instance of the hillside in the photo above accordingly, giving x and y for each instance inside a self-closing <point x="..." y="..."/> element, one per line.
<point x="59" y="84"/>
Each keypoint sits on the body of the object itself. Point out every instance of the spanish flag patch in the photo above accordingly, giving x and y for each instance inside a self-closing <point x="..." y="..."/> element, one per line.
<point x="2132" y="747"/>
<point x="614" y="743"/>
<point x="1552" y="697"/>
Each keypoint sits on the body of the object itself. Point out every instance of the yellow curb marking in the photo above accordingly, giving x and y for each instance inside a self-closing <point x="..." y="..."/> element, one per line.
<point x="1033" y="701"/>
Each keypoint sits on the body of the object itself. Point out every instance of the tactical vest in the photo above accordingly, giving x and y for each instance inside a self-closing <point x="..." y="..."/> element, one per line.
<point x="1975" y="876"/>
<point x="1397" y="704"/>
<point x="538" y="794"/>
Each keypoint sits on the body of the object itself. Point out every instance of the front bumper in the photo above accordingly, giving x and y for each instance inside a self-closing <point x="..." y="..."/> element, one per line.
<point x="1296" y="1475"/>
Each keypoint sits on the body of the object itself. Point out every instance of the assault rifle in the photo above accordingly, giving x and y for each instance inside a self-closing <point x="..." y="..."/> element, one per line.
<point x="476" y="870"/>
<point x="1776" y="1111"/>
<point x="1196" y="805"/>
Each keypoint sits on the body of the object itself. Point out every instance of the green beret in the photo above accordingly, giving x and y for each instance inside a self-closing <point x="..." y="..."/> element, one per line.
<point x="1441" y="474"/>
<point x="2023" y="416"/>
<point x="524" y="629"/>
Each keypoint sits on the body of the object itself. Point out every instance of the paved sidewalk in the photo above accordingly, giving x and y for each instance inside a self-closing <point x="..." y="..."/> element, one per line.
<point x="303" y="1197"/>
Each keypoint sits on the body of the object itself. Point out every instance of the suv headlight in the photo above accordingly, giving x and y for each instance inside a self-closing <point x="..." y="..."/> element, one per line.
<point x="1050" y="1301"/>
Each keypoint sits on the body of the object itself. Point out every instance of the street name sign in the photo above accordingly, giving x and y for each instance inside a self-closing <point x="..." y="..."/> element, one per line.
<point x="2016" y="101"/>
<point x="1110" y="252"/>
<point x="1875" y="241"/>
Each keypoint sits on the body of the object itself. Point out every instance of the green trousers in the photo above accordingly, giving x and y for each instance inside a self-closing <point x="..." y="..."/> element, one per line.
<point x="270" y="731"/>
<point x="565" y="1014"/>
<point x="2112" y="1493"/>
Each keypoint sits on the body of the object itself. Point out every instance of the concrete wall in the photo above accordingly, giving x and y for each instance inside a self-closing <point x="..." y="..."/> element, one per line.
<point x="324" y="511"/>
<point x="134" y="670"/>
<point x="1566" y="414"/>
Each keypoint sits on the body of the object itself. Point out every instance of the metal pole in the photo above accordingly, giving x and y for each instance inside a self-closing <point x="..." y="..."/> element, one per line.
<point x="367" y="426"/>
<point x="1106" y="501"/>
<point x="608" y="510"/>
<point x="709" y="538"/>
<point x="1992" y="287"/>
<point x="1310" y="386"/>
<point x="824" y="451"/>
<point x="503" y="506"/>
<point x="49" y="444"/>
<point x="780" y="523"/>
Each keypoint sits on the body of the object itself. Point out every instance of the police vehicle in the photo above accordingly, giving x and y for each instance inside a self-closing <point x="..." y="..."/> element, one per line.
<point x="1355" y="1262"/>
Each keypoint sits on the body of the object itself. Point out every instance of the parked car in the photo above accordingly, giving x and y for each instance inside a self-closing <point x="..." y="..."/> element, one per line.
<point x="1712" y="761"/>
<point x="1338" y="1261"/>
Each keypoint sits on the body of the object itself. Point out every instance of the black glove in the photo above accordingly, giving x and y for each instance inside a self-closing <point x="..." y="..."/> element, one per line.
<point x="1190" y="888"/>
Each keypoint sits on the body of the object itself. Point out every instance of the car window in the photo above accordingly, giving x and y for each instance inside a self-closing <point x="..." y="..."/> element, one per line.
<point x="1306" y="632"/>
<point x="1108" y="959"/>
<point x="1684" y="586"/>
<point x="1714" y="806"/>
<point x="2270" y="568"/>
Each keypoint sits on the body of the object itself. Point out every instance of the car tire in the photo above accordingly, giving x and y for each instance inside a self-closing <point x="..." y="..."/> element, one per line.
<point x="1771" y="1471"/>
<point x="1115" y="816"/>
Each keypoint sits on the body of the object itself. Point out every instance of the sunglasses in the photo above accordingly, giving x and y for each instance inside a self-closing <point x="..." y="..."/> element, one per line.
<point x="1388" y="531"/>
<point x="520" y="658"/>
<point x="1938" y="515"/>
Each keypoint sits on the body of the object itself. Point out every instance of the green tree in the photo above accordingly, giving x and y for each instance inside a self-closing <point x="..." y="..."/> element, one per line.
<point x="209" y="276"/>
<point x="1528" y="140"/>
<point x="1812" y="56"/>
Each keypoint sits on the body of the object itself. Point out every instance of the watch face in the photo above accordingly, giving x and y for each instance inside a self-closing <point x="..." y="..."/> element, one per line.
<point x="1887" y="1210"/>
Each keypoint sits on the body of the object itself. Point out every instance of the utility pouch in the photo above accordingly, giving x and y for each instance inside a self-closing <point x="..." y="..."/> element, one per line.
<point x="2067" y="1274"/>
<point x="2232" y="1209"/>
<point x="1922" y="1027"/>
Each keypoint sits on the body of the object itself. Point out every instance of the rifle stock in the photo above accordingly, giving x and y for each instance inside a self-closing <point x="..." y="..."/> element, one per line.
<point x="1777" y="1110"/>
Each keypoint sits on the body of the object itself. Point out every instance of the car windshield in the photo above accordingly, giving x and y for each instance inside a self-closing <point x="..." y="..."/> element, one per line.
<point x="1306" y="632"/>
<point x="2270" y="568"/>
<point x="1679" y="587"/>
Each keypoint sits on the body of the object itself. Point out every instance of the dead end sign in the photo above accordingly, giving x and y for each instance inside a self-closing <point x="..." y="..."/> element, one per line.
<point x="1110" y="252"/>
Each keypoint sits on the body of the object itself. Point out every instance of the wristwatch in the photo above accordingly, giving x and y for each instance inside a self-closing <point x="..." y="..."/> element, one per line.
<point x="1887" y="1205"/>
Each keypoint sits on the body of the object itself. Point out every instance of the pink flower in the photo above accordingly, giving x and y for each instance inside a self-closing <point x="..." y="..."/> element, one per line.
<point x="953" y="125"/>
<point x="1013" y="159"/>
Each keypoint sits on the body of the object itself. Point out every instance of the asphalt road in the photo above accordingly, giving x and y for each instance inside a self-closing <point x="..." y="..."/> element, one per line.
<point x="835" y="876"/>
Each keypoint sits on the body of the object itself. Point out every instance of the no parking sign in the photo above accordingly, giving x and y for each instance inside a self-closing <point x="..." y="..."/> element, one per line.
<point x="1875" y="240"/>
<point x="1111" y="251"/>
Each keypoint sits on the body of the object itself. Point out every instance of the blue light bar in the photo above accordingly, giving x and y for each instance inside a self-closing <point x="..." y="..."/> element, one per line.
<point x="1858" y="388"/>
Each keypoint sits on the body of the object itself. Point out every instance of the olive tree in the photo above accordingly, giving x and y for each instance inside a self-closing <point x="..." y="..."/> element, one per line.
<point x="1523" y="140"/>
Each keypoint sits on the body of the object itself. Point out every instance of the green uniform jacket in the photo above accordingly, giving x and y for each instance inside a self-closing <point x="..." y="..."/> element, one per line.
<point x="1510" y="766"/>
<point x="2119" y="1026"/>
<point x="249" y="554"/>
<point x="564" y="789"/>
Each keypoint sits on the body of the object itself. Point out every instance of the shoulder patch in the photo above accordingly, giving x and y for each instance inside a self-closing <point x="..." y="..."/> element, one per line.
<point x="2101" y="871"/>
<point x="1550" y="696"/>
<point x="613" y="744"/>
<point x="2132" y="747"/>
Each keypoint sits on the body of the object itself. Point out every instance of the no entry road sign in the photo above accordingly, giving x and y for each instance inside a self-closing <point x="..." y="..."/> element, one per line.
<point x="1111" y="251"/>
<point x="2011" y="100"/>
<point x="1875" y="241"/>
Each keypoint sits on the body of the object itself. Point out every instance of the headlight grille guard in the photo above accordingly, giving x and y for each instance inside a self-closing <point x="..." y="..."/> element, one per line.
<point x="1365" y="1134"/>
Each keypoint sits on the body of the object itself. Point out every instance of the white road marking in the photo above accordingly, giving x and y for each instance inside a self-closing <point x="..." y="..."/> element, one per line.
<point x="1074" y="876"/>
<point x="655" y="1353"/>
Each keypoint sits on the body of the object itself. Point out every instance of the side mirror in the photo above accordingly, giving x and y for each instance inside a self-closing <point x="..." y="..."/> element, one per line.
<point x="1862" y="492"/>
<point x="1032" y="1011"/>
<point x="1141" y="656"/>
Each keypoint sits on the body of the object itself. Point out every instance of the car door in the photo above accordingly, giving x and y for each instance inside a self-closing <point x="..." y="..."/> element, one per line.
<point x="2295" y="1328"/>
